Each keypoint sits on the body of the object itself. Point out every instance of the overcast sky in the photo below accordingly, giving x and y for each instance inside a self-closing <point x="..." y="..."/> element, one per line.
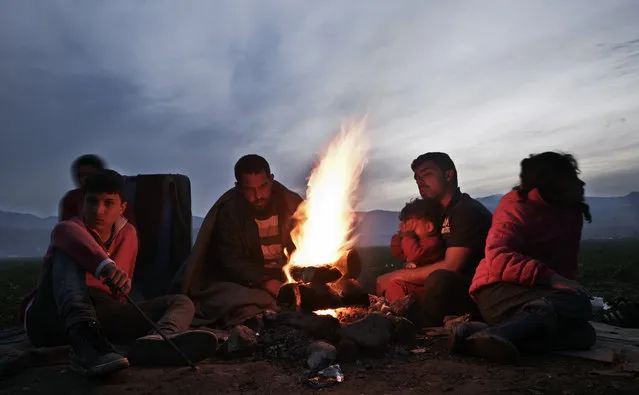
<point x="190" y="86"/>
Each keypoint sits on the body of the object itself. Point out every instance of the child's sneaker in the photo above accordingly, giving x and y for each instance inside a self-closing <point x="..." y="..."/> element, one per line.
<point x="91" y="353"/>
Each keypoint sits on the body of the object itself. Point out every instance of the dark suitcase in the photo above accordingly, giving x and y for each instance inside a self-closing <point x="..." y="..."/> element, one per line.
<point x="159" y="206"/>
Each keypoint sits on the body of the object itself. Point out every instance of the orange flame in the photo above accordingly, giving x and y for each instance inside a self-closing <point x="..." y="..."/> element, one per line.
<point x="325" y="220"/>
<point x="331" y="312"/>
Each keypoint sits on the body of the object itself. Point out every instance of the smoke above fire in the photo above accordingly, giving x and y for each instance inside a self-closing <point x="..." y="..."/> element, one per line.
<point x="324" y="221"/>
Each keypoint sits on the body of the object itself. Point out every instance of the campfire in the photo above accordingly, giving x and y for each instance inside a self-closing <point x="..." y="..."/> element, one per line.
<point x="327" y="316"/>
<point x="322" y="271"/>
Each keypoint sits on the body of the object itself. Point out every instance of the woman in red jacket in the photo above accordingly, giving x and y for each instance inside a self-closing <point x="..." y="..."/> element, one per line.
<point x="526" y="287"/>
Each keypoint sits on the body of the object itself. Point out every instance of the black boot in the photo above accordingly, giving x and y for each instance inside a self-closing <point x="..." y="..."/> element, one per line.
<point x="91" y="353"/>
<point x="500" y="343"/>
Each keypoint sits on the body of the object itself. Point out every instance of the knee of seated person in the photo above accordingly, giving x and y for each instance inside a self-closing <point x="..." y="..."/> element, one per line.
<point x="182" y="300"/>
<point x="438" y="280"/>
<point x="61" y="259"/>
<point x="575" y="305"/>
<point x="583" y="306"/>
<point x="578" y="337"/>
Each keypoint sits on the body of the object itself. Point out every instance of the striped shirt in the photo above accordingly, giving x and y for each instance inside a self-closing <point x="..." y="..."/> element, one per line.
<point x="270" y="241"/>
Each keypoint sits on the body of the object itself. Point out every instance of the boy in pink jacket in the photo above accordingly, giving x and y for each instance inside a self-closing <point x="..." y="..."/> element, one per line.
<point x="71" y="304"/>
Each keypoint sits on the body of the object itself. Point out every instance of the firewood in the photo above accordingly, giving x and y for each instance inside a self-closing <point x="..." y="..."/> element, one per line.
<point x="319" y="296"/>
<point x="350" y="265"/>
<point x="308" y="297"/>
<point x="317" y="326"/>
<point x="289" y="297"/>
<point x="351" y="292"/>
<point x="321" y="274"/>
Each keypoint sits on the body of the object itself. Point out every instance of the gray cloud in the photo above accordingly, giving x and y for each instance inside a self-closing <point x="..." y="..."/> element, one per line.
<point x="161" y="87"/>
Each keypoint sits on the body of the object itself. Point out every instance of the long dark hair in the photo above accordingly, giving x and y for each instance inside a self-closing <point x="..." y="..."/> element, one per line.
<point x="548" y="172"/>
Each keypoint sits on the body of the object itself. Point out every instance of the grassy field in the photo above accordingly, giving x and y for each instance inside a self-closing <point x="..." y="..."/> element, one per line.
<point x="17" y="278"/>
<point x="610" y="268"/>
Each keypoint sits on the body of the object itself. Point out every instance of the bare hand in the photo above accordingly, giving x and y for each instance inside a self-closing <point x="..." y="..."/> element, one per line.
<point x="563" y="283"/>
<point x="410" y="265"/>
<point x="272" y="287"/>
<point x="117" y="277"/>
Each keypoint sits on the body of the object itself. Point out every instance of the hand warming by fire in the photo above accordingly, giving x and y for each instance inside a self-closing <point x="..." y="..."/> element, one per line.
<point x="323" y="233"/>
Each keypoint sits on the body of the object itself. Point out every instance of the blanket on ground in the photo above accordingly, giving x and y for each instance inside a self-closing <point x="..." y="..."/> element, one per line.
<point x="229" y="304"/>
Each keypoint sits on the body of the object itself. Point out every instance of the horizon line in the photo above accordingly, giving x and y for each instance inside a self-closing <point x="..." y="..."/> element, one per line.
<point x="357" y="211"/>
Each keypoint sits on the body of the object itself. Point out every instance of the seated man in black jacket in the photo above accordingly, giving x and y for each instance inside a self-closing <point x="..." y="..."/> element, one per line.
<point x="253" y="229"/>
<point x="235" y="268"/>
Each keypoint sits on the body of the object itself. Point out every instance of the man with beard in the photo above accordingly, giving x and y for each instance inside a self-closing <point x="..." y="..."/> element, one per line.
<point x="464" y="227"/>
<point x="235" y="268"/>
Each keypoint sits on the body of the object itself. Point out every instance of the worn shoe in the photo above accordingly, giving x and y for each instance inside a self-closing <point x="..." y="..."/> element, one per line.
<point x="491" y="347"/>
<point x="91" y="354"/>
<point x="153" y="350"/>
<point x="459" y="331"/>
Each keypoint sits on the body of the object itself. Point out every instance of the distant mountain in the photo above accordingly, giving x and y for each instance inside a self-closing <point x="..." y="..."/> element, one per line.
<point x="613" y="217"/>
<point x="25" y="221"/>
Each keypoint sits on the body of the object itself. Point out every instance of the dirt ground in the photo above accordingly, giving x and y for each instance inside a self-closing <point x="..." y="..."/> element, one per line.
<point x="433" y="371"/>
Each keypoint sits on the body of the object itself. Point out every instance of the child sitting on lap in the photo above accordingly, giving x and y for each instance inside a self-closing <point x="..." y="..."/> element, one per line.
<point x="419" y="241"/>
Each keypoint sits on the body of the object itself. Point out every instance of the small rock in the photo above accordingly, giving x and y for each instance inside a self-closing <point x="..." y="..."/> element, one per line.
<point x="402" y="352"/>
<point x="404" y="330"/>
<point x="322" y="354"/>
<point x="371" y="333"/>
<point x="242" y="341"/>
<point x="347" y="351"/>
<point x="255" y="323"/>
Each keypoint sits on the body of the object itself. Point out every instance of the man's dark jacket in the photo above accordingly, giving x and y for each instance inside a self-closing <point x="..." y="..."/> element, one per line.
<point x="236" y="254"/>
<point x="227" y="247"/>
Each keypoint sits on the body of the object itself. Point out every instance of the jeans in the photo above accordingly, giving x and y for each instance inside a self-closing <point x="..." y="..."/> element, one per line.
<point x="63" y="300"/>
<point x="562" y="316"/>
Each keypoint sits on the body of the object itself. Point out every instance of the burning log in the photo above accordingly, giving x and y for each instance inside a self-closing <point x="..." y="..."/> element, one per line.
<point x="318" y="326"/>
<point x="351" y="292"/>
<point x="350" y="265"/>
<point x="308" y="297"/>
<point x="316" y="274"/>
<point x="289" y="297"/>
